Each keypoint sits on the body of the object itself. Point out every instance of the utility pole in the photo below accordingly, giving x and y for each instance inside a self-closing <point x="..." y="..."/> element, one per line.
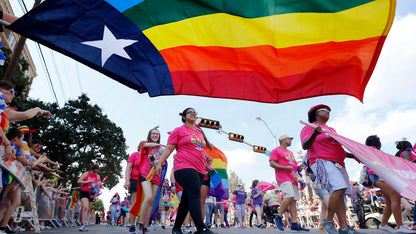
<point x="17" y="52"/>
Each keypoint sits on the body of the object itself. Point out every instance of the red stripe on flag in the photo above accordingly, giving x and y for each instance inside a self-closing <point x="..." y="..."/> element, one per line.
<point x="271" y="61"/>
<point x="251" y="85"/>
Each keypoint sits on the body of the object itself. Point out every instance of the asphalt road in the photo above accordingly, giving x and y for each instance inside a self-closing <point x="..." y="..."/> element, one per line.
<point x="97" y="229"/>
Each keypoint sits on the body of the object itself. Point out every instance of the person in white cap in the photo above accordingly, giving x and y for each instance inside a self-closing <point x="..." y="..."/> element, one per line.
<point x="285" y="167"/>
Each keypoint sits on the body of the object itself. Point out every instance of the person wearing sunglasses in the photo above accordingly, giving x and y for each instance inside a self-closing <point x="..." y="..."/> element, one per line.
<point x="326" y="159"/>
<point x="189" y="168"/>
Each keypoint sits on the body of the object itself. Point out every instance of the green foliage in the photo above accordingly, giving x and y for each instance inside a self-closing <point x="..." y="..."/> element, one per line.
<point x="233" y="181"/>
<point x="77" y="136"/>
<point x="19" y="78"/>
<point x="98" y="205"/>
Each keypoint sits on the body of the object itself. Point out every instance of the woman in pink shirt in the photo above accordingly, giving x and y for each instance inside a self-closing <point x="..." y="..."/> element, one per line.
<point x="86" y="180"/>
<point x="150" y="154"/>
<point x="326" y="159"/>
<point x="132" y="175"/>
<point x="189" y="168"/>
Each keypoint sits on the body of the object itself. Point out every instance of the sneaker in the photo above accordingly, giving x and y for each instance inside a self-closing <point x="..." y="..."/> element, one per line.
<point x="187" y="229"/>
<point x="414" y="227"/>
<point x="132" y="229"/>
<point x="176" y="231"/>
<point x="349" y="230"/>
<point x="321" y="228"/>
<point x="19" y="229"/>
<point x="386" y="228"/>
<point x="82" y="228"/>
<point x="242" y="226"/>
<point x="146" y="230"/>
<point x="329" y="227"/>
<point x="279" y="223"/>
<point x="404" y="229"/>
<point x="296" y="228"/>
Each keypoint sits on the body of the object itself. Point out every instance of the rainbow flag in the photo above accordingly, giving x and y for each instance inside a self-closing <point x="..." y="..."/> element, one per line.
<point x="70" y="202"/>
<point x="219" y="177"/>
<point x="73" y="192"/>
<point x="262" y="50"/>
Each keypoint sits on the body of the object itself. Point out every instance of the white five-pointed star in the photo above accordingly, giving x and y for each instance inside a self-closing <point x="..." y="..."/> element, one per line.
<point x="110" y="45"/>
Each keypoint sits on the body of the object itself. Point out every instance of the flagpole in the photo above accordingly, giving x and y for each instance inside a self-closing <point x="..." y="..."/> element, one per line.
<point x="4" y="23"/>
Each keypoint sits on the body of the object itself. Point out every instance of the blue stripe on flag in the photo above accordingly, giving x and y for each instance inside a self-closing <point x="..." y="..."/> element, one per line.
<point x="123" y="5"/>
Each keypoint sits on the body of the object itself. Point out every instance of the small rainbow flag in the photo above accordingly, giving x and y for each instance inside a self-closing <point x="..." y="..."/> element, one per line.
<point x="73" y="192"/>
<point x="70" y="202"/>
<point x="219" y="178"/>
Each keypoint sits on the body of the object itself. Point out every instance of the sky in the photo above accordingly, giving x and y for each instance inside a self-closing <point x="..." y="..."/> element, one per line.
<point x="388" y="109"/>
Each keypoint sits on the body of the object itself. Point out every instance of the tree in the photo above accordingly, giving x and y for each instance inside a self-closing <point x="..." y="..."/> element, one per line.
<point x="77" y="136"/>
<point x="19" y="79"/>
<point x="233" y="181"/>
<point x="98" y="205"/>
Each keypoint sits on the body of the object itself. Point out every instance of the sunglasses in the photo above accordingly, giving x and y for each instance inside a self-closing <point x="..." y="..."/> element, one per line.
<point x="323" y="109"/>
<point x="192" y="113"/>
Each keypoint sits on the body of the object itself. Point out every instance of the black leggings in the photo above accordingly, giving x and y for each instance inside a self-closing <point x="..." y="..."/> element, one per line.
<point x="191" y="181"/>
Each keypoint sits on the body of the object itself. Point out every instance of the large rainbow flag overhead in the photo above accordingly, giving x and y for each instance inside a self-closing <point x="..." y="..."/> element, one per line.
<point x="260" y="50"/>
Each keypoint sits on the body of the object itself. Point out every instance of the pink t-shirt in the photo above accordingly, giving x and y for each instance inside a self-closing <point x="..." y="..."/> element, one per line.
<point x="90" y="177"/>
<point x="145" y="162"/>
<point x="324" y="146"/>
<point x="285" y="158"/>
<point x="190" y="145"/>
<point x="135" y="168"/>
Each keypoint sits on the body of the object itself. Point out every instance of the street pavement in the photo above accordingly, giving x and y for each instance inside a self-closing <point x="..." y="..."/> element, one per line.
<point x="97" y="229"/>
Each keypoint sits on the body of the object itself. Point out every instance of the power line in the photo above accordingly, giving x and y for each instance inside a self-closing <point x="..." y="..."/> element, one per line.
<point x="45" y="67"/>
<point x="57" y="74"/>
<point x="47" y="72"/>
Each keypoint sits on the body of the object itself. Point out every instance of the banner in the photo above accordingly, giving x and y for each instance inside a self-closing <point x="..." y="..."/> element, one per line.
<point x="399" y="173"/>
<point x="14" y="167"/>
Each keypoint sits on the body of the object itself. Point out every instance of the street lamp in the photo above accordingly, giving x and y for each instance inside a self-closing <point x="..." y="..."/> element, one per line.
<point x="274" y="136"/>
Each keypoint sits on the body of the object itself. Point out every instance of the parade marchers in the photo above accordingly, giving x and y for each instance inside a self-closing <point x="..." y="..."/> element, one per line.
<point x="287" y="207"/>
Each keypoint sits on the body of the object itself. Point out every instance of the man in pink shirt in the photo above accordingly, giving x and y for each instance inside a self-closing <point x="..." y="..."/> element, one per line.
<point x="285" y="167"/>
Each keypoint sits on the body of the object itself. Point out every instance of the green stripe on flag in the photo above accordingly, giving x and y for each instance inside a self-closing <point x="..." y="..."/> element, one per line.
<point x="157" y="12"/>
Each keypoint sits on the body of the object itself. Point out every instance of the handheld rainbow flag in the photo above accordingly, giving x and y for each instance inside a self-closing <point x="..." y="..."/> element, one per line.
<point x="266" y="51"/>
<point x="219" y="177"/>
<point x="73" y="192"/>
<point x="70" y="202"/>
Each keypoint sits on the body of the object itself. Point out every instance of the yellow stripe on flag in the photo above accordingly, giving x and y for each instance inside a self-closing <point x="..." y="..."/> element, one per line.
<point x="280" y="31"/>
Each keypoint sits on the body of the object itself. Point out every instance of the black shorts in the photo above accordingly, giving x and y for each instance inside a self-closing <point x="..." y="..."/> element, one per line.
<point x="142" y="179"/>
<point x="84" y="194"/>
<point x="133" y="186"/>
<point x="207" y="182"/>
<point x="122" y="213"/>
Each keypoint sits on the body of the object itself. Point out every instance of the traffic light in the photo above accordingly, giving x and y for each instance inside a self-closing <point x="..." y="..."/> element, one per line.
<point x="236" y="137"/>
<point x="259" y="149"/>
<point x="209" y="123"/>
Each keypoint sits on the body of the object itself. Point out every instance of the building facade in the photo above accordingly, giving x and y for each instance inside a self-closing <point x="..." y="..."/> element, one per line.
<point x="9" y="40"/>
